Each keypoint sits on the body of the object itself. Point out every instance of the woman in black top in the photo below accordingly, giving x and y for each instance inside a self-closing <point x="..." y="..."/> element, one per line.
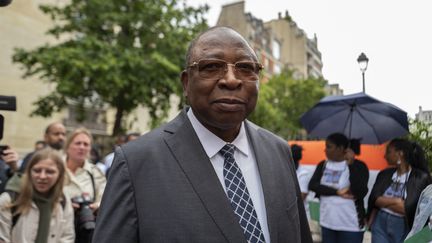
<point x="394" y="196"/>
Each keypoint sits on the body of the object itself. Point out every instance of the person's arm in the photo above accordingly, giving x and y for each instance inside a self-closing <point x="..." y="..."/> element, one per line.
<point x="11" y="158"/>
<point x="304" y="195"/>
<point x="376" y="192"/>
<point x="398" y="206"/>
<point x="382" y="181"/>
<point x="345" y="193"/>
<point x="388" y="202"/>
<point x="316" y="186"/>
<point x="5" y="218"/>
<point x="117" y="219"/>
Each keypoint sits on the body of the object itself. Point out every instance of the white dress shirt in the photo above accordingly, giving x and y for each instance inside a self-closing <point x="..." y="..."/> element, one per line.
<point x="245" y="159"/>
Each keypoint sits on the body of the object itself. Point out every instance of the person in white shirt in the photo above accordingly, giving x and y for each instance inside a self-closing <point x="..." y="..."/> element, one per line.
<point x="341" y="187"/>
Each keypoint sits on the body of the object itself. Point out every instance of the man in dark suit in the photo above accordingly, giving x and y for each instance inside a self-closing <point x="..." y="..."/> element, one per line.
<point x="209" y="175"/>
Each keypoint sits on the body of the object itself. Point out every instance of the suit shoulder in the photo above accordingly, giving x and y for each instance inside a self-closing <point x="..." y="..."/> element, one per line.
<point x="266" y="134"/>
<point x="144" y="141"/>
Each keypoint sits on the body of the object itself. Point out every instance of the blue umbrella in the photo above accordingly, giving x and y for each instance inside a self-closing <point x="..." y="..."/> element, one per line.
<point x="357" y="116"/>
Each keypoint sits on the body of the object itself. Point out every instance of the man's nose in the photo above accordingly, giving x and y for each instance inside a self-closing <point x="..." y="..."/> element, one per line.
<point x="230" y="78"/>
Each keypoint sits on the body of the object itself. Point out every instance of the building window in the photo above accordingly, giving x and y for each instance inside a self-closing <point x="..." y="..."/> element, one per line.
<point x="276" y="49"/>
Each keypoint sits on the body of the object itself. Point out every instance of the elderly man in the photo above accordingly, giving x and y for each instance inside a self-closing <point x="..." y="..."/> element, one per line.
<point x="209" y="175"/>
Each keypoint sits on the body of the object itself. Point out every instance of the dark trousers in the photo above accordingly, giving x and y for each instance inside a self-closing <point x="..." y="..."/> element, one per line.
<point x="337" y="236"/>
<point x="84" y="236"/>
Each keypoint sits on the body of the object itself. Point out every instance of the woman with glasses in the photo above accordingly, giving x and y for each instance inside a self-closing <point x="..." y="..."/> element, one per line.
<point x="394" y="196"/>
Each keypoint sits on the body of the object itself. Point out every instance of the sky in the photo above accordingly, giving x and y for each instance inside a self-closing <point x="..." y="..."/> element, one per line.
<point x="396" y="36"/>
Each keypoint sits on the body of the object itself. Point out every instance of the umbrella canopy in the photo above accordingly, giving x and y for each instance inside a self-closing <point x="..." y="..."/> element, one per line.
<point x="357" y="116"/>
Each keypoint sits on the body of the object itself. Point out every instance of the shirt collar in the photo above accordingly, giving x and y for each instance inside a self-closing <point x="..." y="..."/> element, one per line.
<point x="402" y="178"/>
<point x="213" y="144"/>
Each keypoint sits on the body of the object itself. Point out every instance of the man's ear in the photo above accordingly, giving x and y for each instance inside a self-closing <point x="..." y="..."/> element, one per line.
<point x="184" y="76"/>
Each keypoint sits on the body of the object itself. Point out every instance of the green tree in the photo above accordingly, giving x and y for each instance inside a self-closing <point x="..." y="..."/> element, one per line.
<point x="421" y="133"/>
<point x="120" y="53"/>
<point x="283" y="99"/>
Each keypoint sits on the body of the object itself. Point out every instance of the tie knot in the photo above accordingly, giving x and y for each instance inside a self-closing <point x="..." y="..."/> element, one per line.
<point x="227" y="151"/>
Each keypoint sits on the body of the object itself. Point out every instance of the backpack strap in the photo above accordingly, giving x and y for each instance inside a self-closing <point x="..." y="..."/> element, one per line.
<point x="93" y="184"/>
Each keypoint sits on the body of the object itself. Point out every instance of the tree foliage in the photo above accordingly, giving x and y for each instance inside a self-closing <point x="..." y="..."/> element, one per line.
<point x="116" y="53"/>
<point x="283" y="99"/>
<point x="421" y="133"/>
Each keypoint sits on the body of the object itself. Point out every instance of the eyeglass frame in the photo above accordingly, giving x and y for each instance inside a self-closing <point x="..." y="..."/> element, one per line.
<point x="259" y="65"/>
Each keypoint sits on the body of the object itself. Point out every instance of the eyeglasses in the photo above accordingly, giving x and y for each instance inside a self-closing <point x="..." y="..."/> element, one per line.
<point x="216" y="69"/>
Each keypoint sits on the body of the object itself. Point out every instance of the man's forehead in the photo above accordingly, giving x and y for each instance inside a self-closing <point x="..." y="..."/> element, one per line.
<point x="218" y="41"/>
<point x="56" y="128"/>
<point x="222" y="37"/>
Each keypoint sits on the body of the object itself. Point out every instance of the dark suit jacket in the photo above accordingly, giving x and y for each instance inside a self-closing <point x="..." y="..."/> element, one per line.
<point x="163" y="188"/>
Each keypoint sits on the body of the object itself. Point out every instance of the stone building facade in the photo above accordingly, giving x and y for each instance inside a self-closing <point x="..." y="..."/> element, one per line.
<point x="279" y="43"/>
<point x="23" y="25"/>
<point x="424" y="115"/>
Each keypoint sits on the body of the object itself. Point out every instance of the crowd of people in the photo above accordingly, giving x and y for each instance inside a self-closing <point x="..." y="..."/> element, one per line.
<point x="54" y="192"/>
<point x="209" y="175"/>
<point x="341" y="184"/>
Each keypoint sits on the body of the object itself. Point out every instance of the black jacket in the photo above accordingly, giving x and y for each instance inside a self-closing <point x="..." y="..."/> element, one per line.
<point x="359" y="176"/>
<point x="417" y="181"/>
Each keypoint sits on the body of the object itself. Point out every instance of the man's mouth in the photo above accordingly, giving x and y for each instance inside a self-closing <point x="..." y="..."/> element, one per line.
<point x="230" y="104"/>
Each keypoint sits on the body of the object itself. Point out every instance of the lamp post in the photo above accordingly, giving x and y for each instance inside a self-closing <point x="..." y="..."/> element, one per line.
<point x="363" y="63"/>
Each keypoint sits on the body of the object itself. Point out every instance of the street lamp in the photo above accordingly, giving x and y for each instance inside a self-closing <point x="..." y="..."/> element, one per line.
<point x="363" y="63"/>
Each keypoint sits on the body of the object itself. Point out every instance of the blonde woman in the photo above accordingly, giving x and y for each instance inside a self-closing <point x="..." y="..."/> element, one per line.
<point x="38" y="211"/>
<point x="85" y="184"/>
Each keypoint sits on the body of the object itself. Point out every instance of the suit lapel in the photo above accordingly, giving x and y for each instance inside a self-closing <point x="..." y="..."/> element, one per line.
<point x="267" y="178"/>
<point x="196" y="165"/>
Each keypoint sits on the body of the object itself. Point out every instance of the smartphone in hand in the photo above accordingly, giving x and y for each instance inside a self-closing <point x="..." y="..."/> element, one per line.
<point x="2" y="148"/>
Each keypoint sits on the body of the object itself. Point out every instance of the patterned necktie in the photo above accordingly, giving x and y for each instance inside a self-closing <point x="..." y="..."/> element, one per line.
<point x="239" y="197"/>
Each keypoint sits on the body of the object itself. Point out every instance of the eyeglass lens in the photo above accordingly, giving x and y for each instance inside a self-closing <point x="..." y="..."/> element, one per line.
<point x="211" y="68"/>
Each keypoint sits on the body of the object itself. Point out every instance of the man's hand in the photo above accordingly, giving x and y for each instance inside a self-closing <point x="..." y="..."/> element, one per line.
<point x="10" y="157"/>
<point x="94" y="206"/>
